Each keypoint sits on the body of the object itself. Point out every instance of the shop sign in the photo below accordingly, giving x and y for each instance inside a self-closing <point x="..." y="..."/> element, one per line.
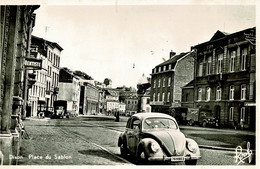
<point x="250" y="104"/>
<point x="33" y="63"/>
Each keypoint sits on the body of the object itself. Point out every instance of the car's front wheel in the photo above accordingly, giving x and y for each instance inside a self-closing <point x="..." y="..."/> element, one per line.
<point x="141" y="157"/>
<point x="191" y="162"/>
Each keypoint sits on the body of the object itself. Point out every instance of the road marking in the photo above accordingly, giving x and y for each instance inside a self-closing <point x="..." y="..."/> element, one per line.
<point x="118" y="130"/>
<point x="97" y="145"/>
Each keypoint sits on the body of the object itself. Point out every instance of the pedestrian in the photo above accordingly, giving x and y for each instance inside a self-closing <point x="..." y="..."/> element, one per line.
<point x="117" y="116"/>
<point x="235" y="124"/>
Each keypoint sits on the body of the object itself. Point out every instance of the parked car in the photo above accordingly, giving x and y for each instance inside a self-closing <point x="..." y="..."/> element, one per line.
<point x="157" y="137"/>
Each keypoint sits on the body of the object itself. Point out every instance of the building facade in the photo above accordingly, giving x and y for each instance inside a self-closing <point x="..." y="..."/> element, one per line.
<point x="112" y="101"/>
<point x="69" y="88"/>
<point x="167" y="79"/>
<point x="17" y="23"/>
<point x="225" y="78"/>
<point x="89" y="98"/>
<point x="37" y="92"/>
<point x="131" y="105"/>
<point x="51" y="51"/>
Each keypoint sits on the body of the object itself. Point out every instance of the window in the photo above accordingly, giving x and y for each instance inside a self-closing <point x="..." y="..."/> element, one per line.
<point x="243" y="59"/>
<point x="219" y="64"/>
<point x="208" y="94"/>
<point x="159" y="69"/>
<point x="158" y="99"/>
<point x="231" y="113"/>
<point x="209" y="66"/>
<point x="164" y="68"/>
<point x="136" y="124"/>
<point x="163" y="82"/>
<point x="200" y="68"/>
<point x="232" y="61"/>
<point x="243" y="92"/>
<point x="231" y="92"/>
<point x="148" y="101"/>
<point x="199" y="94"/>
<point x="218" y="96"/>
<point x="242" y="113"/>
<point x="163" y="96"/>
<point x="170" y="67"/>
<point x="154" y="83"/>
<point x="159" y="82"/>
<point x="154" y="97"/>
<point x="169" y="81"/>
<point x="168" y="96"/>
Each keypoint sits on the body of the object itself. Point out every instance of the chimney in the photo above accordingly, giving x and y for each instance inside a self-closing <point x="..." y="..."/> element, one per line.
<point x="172" y="54"/>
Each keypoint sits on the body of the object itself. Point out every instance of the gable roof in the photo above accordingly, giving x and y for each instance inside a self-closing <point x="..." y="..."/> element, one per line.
<point x="218" y="35"/>
<point x="173" y="60"/>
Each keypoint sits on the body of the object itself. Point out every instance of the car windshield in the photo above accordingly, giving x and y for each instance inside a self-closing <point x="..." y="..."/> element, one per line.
<point x="155" y="123"/>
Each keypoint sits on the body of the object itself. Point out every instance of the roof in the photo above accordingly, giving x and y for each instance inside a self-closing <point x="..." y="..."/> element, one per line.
<point x="173" y="60"/>
<point x="219" y="35"/>
<point x="52" y="44"/>
<point x="152" y="115"/>
<point x="112" y="92"/>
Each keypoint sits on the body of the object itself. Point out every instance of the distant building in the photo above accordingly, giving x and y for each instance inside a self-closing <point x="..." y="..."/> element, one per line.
<point x="89" y="98"/>
<point x="69" y="88"/>
<point x="112" y="101"/>
<point x="167" y="80"/>
<point x="131" y="104"/>
<point x="122" y="108"/>
<point x="225" y="81"/>
<point x="143" y="92"/>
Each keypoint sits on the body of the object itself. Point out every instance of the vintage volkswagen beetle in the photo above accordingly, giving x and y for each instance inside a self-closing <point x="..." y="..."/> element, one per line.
<point x="157" y="137"/>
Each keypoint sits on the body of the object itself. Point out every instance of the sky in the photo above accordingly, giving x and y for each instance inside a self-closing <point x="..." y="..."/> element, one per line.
<point x="122" y="42"/>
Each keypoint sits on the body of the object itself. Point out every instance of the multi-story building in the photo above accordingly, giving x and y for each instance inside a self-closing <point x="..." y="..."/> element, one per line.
<point x="16" y="25"/>
<point x="37" y="92"/>
<point x="69" y="88"/>
<point x="112" y="101"/>
<point x="51" y="51"/>
<point x="225" y="79"/>
<point x="89" y="97"/>
<point x="131" y="104"/>
<point x="167" y="80"/>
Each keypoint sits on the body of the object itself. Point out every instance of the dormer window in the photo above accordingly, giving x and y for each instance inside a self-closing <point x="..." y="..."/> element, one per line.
<point x="159" y="69"/>
<point x="170" y="67"/>
<point x="164" y="68"/>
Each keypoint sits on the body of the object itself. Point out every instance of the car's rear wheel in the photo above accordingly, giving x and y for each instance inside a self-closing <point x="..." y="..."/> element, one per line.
<point x="123" y="150"/>
<point x="191" y="162"/>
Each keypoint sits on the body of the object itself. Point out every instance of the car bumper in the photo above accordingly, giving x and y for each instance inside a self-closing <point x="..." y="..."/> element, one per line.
<point x="174" y="158"/>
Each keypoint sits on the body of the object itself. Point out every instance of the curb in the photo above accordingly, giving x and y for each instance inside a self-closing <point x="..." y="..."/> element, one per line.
<point x="221" y="148"/>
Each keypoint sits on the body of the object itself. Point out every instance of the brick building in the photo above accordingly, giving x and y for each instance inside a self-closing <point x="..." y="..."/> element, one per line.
<point x="167" y="79"/>
<point x="225" y="79"/>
